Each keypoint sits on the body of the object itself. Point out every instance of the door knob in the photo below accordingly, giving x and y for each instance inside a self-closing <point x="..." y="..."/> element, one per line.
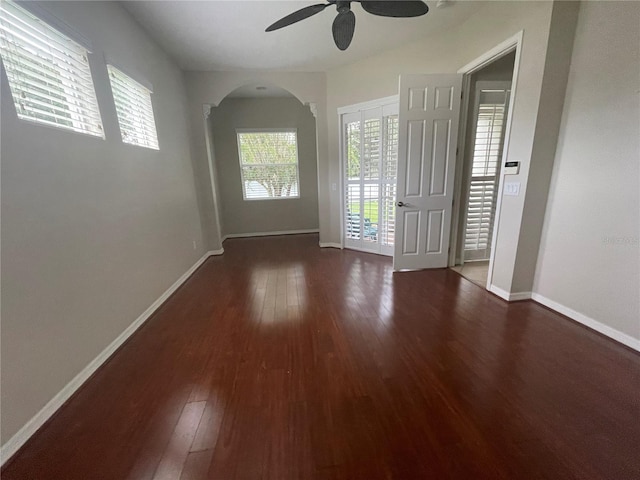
<point x="402" y="204"/>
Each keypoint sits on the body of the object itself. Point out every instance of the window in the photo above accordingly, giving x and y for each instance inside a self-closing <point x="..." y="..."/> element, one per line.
<point x="134" y="110"/>
<point x="48" y="73"/>
<point x="269" y="164"/>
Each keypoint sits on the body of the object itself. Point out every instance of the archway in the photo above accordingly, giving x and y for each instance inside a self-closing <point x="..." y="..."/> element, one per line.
<point x="270" y="198"/>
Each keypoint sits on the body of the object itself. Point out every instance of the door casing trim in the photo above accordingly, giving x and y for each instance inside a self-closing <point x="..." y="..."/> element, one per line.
<point x="509" y="45"/>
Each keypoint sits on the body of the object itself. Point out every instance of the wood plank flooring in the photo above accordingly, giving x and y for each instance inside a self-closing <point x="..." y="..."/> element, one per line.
<point x="280" y="360"/>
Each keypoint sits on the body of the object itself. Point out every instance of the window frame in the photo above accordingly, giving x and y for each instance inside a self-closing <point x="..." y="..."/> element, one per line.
<point x="78" y="96"/>
<point x="141" y="88"/>
<point x="241" y="164"/>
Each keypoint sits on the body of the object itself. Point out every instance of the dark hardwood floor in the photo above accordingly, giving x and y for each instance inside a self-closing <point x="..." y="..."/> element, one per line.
<point x="279" y="360"/>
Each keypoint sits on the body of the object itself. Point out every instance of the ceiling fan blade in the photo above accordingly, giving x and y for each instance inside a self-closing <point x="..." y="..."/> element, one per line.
<point x="395" y="8"/>
<point x="298" y="15"/>
<point x="343" y="27"/>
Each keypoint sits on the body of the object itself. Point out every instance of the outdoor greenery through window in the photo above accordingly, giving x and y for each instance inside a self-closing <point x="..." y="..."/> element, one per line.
<point x="269" y="164"/>
<point x="48" y="73"/>
<point x="134" y="110"/>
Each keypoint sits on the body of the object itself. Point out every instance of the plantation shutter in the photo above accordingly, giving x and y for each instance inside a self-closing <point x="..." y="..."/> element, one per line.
<point x="487" y="153"/>
<point x="389" y="180"/>
<point x="353" y="190"/>
<point x="48" y="73"/>
<point x="370" y="152"/>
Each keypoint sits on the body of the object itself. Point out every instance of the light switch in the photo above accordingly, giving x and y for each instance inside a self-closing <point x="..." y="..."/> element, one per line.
<point x="512" y="188"/>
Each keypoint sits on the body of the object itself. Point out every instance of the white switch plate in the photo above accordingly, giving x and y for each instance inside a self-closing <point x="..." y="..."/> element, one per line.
<point x="512" y="188"/>
<point x="334" y="187"/>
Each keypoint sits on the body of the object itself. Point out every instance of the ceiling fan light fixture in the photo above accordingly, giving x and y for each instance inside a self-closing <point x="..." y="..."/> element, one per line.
<point x="345" y="22"/>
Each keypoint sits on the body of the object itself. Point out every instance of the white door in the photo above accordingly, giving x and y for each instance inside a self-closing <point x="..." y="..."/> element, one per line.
<point x="429" y="112"/>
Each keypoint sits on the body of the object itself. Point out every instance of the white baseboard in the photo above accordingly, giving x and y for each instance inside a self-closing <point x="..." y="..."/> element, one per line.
<point x="268" y="234"/>
<point x="330" y="245"/>
<point x="509" y="297"/>
<point x="610" y="332"/>
<point x="16" y="441"/>
<point x="211" y="253"/>
<point x="517" y="296"/>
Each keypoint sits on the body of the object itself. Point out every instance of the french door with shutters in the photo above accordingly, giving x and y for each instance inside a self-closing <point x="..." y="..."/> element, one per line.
<point x="491" y="105"/>
<point x="370" y="158"/>
<point x="429" y="111"/>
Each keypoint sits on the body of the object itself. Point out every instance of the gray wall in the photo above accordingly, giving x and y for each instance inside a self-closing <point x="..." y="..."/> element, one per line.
<point x="93" y="231"/>
<point x="239" y="216"/>
<point x="500" y="70"/>
<point x="589" y="258"/>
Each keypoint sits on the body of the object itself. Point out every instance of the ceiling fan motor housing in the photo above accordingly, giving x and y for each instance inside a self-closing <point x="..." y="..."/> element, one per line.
<point x="343" y="6"/>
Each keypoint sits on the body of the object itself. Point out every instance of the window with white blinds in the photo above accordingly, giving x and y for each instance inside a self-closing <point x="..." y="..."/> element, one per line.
<point x="134" y="110"/>
<point x="269" y="164"/>
<point x="48" y="73"/>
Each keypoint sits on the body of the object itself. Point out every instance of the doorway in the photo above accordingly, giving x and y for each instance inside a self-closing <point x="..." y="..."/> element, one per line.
<point x="485" y="127"/>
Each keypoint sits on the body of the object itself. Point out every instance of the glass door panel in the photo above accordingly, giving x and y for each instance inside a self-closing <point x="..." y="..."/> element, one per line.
<point x="370" y="159"/>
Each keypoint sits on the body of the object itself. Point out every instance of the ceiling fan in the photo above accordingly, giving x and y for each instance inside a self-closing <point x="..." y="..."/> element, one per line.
<point x="345" y="22"/>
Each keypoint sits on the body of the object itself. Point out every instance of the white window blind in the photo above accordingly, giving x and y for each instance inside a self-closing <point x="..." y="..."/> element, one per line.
<point x="134" y="110"/>
<point x="48" y="73"/>
<point x="269" y="164"/>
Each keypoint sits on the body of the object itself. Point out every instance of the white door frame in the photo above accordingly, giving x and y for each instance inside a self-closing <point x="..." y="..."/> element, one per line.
<point x="511" y="44"/>
<point x="380" y="102"/>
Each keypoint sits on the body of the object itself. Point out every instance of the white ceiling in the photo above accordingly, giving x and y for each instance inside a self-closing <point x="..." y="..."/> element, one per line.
<point x="229" y="34"/>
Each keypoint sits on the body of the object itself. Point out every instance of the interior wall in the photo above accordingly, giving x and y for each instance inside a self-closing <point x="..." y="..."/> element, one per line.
<point x="210" y="88"/>
<point x="589" y="257"/>
<point x="448" y="52"/>
<point x="535" y="185"/>
<point x="93" y="231"/>
<point x="239" y="216"/>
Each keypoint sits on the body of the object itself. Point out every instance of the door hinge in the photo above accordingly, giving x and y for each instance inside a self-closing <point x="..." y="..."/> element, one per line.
<point x="461" y="94"/>
<point x="457" y="151"/>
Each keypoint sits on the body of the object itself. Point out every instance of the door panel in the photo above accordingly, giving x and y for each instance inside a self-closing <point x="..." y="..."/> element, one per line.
<point x="427" y="139"/>
<point x="411" y="228"/>
<point x="415" y="159"/>
<point x="434" y="231"/>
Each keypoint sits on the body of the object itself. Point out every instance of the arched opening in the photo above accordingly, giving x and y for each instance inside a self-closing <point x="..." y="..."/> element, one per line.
<point x="263" y="161"/>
